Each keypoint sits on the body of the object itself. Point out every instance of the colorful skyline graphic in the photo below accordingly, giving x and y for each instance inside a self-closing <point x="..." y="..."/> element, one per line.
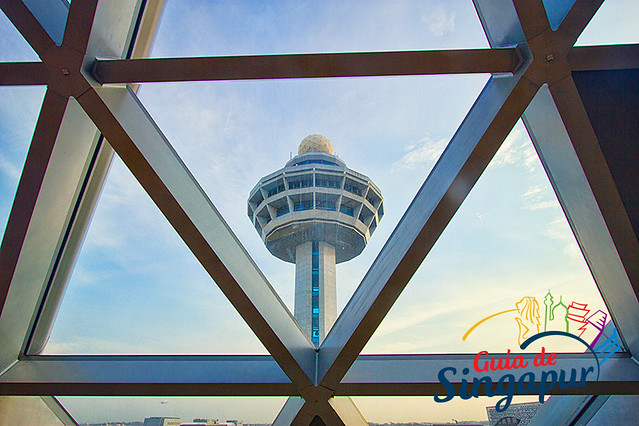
<point x="574" y="318"/>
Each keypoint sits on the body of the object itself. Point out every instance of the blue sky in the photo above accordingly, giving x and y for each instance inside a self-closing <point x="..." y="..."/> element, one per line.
<point x="137" y="289"/>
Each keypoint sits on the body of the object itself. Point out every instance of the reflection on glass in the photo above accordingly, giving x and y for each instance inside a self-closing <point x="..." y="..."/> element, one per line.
<point x="136" y="287"/>
<point x="506" y="267"/>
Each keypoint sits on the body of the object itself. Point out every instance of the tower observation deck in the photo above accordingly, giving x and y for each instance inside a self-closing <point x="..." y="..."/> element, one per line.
<point x="315" y="212"/>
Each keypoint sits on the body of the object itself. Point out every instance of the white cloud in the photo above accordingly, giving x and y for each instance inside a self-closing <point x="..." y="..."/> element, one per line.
<point x="412" y="313"/>
<point x="538" y="197"/>
<point x="572" y="249"/>
<point x="10" y="169"/>
<point x="425" y="152"/>
<point x="95" y="345"/>
<point x="516" y="149"/>
<point x="441" y="20"/>
<point x="407" y="318"/>
<point x="559" y="229"/>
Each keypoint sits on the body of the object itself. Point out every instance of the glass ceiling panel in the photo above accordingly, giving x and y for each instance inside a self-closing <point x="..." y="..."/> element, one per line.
<point x="614" y="23"/>
<point x="231" y="134"/>
<point x="508" y="252"/>
<point x="19" y="109"/>
<point x="13" y="47"/>
<point x="250" y="410"/>
<point x="136" y="288"/>
<point x="194" y="28"/>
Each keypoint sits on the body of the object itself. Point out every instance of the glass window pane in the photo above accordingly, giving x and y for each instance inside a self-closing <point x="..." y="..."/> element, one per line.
<point x="390" y="129"/>
<point x="246" y="27"/>
<point x="13" y="47"/>
<point x="614" y="23"/>
<point x="506" y="267"/>
<point x="249" y="410"/>
<point x="136" y="288"/>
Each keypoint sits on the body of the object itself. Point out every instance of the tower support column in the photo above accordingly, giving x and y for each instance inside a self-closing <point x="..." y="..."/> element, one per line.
<point x="315" y="288"/>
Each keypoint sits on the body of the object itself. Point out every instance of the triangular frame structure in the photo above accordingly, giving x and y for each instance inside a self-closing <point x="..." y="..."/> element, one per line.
<point x="90" y="99"/>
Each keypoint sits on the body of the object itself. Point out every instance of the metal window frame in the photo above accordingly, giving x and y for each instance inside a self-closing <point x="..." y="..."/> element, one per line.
<point x="87" y="50"/>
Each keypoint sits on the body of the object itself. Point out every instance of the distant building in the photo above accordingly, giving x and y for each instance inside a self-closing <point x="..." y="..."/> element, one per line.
<point x="315" y="212"/>
<point x="516" y="414"/>
<point x="162" y="421"/>
<point x="208" y="422"/>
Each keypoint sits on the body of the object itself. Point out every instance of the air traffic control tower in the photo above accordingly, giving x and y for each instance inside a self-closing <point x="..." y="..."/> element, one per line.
<point x="315" y="212"/>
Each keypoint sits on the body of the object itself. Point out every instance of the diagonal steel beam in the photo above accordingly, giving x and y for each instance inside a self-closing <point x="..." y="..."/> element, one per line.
<point x="79" y="24"/>
<point x="301" y="418"/>
<point x="593" y="58"/>
<point x="500" y="22"/>
<point x="578" y="17"/>
<point x="348" y="411"/>
<point x="307" y="65"/>
<point x="289" y="411"/>
<point x="566" y="142"/>
<point x="302" y="410"/>
<point x="139" y="142"/>
<point x="110" y="35"/>
<point x="556" y="153"/>
<point x="332" y="412"/>
<point x="28" y="25"/>
<point x="532" y="17"/>
<point x="61" y="149"/>
<point x="23" y="73"/>
<point x="38" y="158"/>
<point x="79" y="217"/>
<point x="586" y="146"/>
<point x="58" y="409"/>
<point x="20" y="219"/>
<point x="316" y="413"/>
<point x="329" y="415"/>
<point x="43" y="410"/>
<point x="320" y="404"/>
<point x="480" y="135"/>
<point x="556" y="11"/>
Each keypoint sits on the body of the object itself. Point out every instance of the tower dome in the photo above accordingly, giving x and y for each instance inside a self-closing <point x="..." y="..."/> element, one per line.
<point x="315" y="143"/>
